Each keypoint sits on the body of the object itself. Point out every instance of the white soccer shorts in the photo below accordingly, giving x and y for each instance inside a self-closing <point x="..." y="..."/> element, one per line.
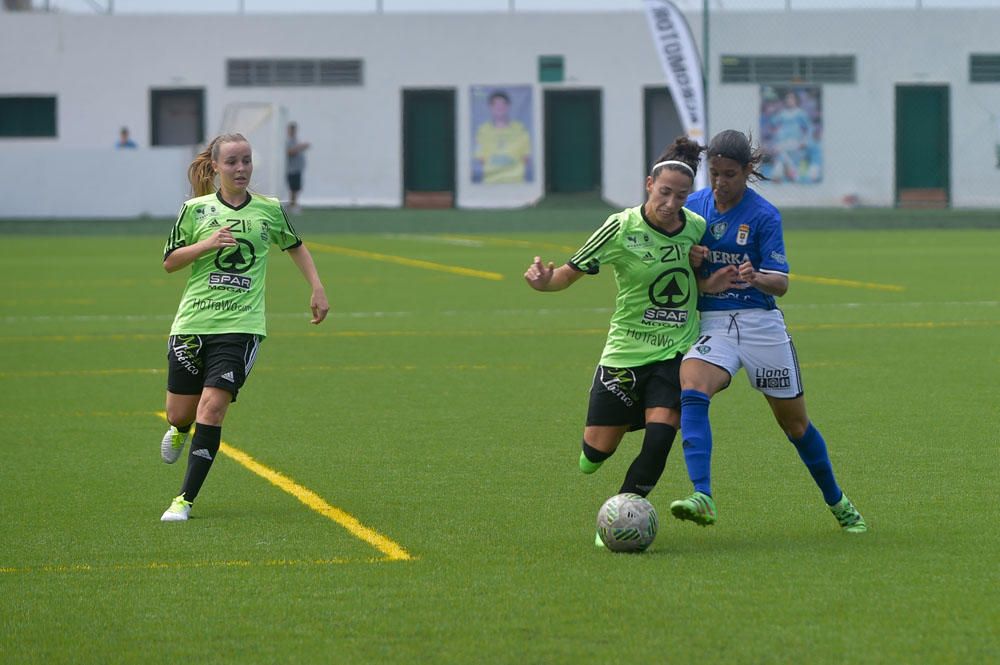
<point x="755" y="339"/>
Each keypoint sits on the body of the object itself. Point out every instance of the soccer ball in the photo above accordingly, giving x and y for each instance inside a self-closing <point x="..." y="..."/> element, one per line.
<point x="627" y="523"/>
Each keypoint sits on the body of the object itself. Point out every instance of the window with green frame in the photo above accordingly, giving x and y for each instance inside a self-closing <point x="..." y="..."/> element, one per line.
<point x="27" y="116"/>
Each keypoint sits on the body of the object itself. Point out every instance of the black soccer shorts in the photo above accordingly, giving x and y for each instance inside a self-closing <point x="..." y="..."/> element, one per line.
<point x="218" y="361"/>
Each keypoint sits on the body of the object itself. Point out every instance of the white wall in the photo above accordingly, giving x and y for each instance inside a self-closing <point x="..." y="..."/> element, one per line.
<point x="892" y="48"/>
<point x="53" y="181"/>
<point x="103" y="67"/>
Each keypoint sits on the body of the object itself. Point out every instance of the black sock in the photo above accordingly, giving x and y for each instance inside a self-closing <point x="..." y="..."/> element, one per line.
<point x="184" y="429"/>
<point x="204" y="448"/>
<point x="593" y="454"/>
<point x="648" y="466"/>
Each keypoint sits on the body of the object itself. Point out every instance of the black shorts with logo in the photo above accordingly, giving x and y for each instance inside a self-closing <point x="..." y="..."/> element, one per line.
<point x="621" y="395"/>
<point x="218" y="361"/>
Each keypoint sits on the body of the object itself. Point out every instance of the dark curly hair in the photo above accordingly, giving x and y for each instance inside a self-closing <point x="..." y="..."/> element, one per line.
<point x="682" y="150"/>
<point x="738" y="147"/>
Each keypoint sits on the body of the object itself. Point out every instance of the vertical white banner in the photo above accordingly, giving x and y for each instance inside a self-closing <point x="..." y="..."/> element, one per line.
<point x="682" y="67"/>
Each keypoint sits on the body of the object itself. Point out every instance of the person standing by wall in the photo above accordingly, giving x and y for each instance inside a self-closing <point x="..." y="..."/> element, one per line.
<point x="124" y="140"/>
<point x="295" y="165"/>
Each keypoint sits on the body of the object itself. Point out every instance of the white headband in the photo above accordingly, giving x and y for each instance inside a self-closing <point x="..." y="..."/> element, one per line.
<point x="673" y="161"/>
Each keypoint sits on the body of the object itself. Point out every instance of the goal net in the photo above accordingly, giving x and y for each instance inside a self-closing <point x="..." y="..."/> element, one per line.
<point x="265" y="126"/>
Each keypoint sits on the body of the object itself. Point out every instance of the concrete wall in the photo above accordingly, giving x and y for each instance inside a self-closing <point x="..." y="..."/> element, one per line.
<point x="103" y="67"/>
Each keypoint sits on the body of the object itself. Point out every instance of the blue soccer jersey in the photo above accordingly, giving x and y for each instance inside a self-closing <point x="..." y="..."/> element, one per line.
<point x="750" y="231"/>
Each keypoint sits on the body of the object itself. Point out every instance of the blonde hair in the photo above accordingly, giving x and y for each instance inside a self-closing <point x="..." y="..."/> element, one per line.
<point x="200" y="172"/>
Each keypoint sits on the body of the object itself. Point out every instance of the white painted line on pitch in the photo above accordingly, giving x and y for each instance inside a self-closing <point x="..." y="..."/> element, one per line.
<point x="402" y="314"/>
<point x="175" y="565"/>
<point x="392" y="550"/>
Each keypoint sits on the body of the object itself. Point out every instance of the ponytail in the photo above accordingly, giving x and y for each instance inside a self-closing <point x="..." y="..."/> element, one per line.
<point x="201" y="175"/>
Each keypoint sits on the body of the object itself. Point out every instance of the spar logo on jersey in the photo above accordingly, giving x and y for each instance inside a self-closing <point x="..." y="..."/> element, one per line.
<point x="223" y="280"/>
<point x="669" y="293"/>
<point x="236" y="260"/>
<point x="718" y="229"/>
<point x="233" y="262"/>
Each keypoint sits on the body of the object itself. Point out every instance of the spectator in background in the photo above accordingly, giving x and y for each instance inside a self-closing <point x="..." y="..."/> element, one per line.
<point x="503" y="146"/>
<point x="295" y="165"/>
<point x="124" y="140"/>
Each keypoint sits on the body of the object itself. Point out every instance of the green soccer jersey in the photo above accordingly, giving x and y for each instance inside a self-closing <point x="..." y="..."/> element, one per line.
<point x="656" y="315"/>
<point x="225" y="292"/>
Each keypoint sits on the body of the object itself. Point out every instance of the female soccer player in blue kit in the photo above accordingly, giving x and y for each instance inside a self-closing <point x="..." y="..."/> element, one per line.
<point x="744" y="269"/>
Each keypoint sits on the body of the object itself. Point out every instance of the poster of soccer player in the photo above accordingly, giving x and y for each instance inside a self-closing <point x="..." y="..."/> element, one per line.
<point x="501" y="134"/>
<point x="791" y="133"/>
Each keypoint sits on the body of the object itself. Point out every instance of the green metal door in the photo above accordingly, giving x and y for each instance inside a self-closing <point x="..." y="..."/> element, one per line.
<point x="572" y="141"/>
<point x="429" y="140"/>
<point x="922" y="147"/>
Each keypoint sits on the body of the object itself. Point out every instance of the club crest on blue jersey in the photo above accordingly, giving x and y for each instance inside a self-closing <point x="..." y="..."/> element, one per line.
<point x="718" y="229"/>
<point x="742" y="234"/>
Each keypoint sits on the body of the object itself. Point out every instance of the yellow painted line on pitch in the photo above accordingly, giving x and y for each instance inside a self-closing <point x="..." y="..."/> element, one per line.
<point x="403" y="261"/>
<point x="392" y="550"/>
<point x="831" y="281"/>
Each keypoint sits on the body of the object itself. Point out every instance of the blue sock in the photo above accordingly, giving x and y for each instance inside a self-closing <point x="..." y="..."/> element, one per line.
<point x="696" y="433"/>
<point x="812" y="450"/>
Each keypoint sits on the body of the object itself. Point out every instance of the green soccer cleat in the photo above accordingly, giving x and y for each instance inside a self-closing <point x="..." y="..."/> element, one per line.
<point x="173" y="444"/>
<point x="850" y="519"/>
<point x="587" y="466"/>
<point x="597" y="540"/>
<point x="698" y="508"/>
<point x="178" y="511"/>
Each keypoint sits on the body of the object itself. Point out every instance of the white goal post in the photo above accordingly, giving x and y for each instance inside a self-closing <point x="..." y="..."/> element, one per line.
<point x="265" y="125"/>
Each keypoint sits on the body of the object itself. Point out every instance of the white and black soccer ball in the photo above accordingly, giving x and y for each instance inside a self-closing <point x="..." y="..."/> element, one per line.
<point x="627" y="523"/>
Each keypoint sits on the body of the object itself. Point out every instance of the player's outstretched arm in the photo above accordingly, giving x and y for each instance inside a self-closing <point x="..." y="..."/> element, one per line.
<point x="546" y="277"/>
<point x="318" y="303"/>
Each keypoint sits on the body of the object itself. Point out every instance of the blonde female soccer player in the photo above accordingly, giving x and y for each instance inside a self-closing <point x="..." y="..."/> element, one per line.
<point x="225" y="234"/>
<point x="637" y="384"/>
